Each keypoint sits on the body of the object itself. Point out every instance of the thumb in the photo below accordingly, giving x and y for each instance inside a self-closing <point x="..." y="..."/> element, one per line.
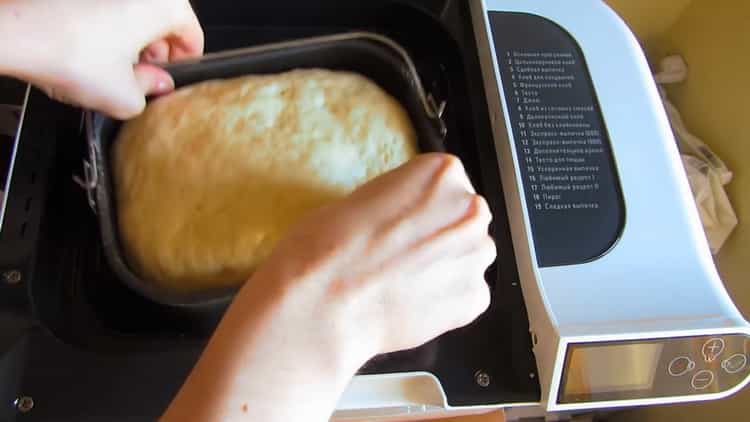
<point x="126" y="99"/>
<point x="152" y="79"/>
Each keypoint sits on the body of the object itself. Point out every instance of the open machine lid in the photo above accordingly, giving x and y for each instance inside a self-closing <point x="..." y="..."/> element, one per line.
<point x="616" y="271"/>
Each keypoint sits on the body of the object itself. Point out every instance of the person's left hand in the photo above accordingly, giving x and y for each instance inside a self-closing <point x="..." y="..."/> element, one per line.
<point x="98" y="53"/>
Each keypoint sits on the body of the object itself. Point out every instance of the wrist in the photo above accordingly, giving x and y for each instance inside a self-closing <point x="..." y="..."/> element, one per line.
<point x="277" y="343"/>
<point x="322" y="327"/>
<point x="333" y="314"/>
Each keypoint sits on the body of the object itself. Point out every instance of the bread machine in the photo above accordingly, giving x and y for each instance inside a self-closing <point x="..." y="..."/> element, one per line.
<point x="604" y="293"/>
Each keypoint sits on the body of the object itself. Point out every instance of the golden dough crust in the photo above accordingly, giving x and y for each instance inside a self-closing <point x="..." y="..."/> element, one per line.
<point x="210" y="177"/>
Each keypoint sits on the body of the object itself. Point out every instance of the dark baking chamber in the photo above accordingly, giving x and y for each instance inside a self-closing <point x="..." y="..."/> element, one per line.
<point x="369" y="54"/>
<point x="84" y="300"/>
<point x="127" y="354"/>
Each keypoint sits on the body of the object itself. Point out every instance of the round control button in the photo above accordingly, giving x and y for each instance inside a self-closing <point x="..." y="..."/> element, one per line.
<point x="680" y="365"/>
<point x="712" y="349"/>
<point x="702" y="379"/>
<point x="734" y="363"/>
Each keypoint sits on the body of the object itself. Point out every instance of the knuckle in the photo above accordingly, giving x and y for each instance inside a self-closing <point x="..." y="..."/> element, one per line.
<point x="482" y="301"/>
<point x="476" y="301"/>
<point x="446" y="165"/>
<point x="479" y="212"/>
<point x="480" y="296"/>
<point x="482" y="207"/>
<point x="453" y="170"/>
<point x="452" y="163"/>
<point x="488" y="251"/>
<point x="433" y="160"/>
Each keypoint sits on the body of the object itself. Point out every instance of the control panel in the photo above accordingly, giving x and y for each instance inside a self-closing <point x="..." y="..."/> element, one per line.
<point x="590" y="226"/>
<point x="641" y="369"/>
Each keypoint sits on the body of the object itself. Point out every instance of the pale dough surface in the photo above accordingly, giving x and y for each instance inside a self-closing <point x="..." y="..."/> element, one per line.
<point x="209" y="178"/>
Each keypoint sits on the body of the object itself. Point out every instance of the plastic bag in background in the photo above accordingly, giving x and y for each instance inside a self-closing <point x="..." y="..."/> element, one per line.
<point x="706" y="172"/>
<point x="714" y="207"/>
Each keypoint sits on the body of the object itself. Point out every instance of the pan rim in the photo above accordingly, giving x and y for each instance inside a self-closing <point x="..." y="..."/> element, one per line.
<point x="98" y="183"/>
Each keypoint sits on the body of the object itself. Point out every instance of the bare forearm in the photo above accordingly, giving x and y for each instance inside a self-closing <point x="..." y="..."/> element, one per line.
<point x="263" y="365"/>
<point x="396" y="263"/>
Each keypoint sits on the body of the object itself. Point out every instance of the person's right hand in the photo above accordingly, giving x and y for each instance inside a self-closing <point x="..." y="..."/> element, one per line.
<point x="97" y="53"/>
<point x="395" y="264"/>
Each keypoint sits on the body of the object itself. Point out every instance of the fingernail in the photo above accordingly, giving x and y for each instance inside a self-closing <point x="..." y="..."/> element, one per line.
<point x="152" y="80"/>
<point x="163" y="86"/>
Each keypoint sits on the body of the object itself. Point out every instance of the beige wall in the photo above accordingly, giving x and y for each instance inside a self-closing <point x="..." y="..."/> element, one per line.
<point x="649" y="18"/>
<point x="714" y="38"/>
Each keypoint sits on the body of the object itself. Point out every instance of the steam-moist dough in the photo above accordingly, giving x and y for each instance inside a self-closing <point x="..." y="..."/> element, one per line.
<point x="210" y="177"/>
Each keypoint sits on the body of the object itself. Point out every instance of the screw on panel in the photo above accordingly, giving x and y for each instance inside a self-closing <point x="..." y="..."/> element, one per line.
<point x="24" y="404"/>
<point x="12" y="277"/>
<point x="532" y="375"/>
<point x="482" y="379"/>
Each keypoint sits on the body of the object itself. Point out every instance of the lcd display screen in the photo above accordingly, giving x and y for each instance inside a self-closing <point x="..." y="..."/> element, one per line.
<point x="594" y="369"/>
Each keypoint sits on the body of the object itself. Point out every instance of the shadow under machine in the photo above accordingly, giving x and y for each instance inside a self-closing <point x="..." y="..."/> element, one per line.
<point x="604" y="293"/>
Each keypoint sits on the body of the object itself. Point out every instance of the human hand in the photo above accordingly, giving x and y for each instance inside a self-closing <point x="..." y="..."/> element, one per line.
<point x="98" y="53"/>
<point x="395" y="264"/>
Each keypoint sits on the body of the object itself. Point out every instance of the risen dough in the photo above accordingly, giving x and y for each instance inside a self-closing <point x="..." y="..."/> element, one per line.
<point x="209" y="178"/>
